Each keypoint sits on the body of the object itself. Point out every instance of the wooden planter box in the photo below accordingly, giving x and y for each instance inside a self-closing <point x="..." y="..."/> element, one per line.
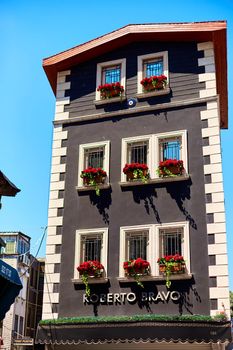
<point x="175" y="268"/>
<point x="175" y="170"/>
<point x="98" y="179"/>
<point x="151" y="87"/>
<point x="130" y="175"/>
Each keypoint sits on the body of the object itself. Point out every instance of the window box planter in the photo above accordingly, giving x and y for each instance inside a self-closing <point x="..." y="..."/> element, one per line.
<point x="91" y="269"/>
<point x="154" y="83"/>
<point x="170" y="265"/>
<point x="136" y="172"/>
<point x="137" y="268"/>
<point x="94" y="177"/>
<point x="171" y="167"/>
<point x="174" y="269"/>
<point x="108" y="91"/>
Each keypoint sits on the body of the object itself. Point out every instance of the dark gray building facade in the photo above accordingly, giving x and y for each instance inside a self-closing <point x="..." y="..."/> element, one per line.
<point x="158" y="215"/>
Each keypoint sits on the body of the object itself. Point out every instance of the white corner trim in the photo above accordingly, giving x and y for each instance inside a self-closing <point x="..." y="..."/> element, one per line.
<point x="61" y="99"/>
<point x="142" y="58"/>
<point x="215" y="187"/>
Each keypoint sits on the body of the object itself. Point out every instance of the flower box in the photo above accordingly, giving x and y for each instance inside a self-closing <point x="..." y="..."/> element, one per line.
<point x="156" y="82"/>
<point x="170" y="167"/>
<point x="136" y="268"/>
<point x="93" y="177"/>
<point x="90" y="269"/>
<point x="171" y="264"/>
<point x="110" y="90"/>
<point x="99" y="179"/>
<point x="136" y="171"/>
<point x="175" y="268"/>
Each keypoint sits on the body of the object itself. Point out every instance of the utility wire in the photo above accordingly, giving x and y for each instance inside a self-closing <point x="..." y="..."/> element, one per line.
<point x="34" y="258"/>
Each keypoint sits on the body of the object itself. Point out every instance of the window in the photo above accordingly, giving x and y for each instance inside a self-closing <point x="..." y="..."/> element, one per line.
<point x="171" y="239"/>
<point x="172" y="145"/>
<point x="95" y="155"/>
<point x="136" y="150"/>
<point x="91" y="244"/>
<point x="152" y="64"/>
<point x="134" y="243"/>
<point x="151" y="149"/>
<point x="150" y="242"/>
<point x="110" y="72"/>
<point x="10" y="247"/>
<point x="16" y="325"/>
<point x="91" y="247"/>
<point x="170" y="148"/>
<point x="153" y="67"/>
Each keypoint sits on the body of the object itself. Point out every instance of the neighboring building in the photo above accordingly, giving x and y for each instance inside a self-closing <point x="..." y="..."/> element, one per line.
<point x="34" y="296"/>
<point x="20" y="322"/>
<point x="178" y="211"/>
<point x="9" y="279"/>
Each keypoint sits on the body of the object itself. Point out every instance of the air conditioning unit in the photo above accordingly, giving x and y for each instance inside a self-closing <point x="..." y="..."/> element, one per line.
<point x="24" y="259"/>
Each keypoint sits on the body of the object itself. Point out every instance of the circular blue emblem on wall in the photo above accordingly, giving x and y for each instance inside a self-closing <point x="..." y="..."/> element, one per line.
<point x="131" y="102"/>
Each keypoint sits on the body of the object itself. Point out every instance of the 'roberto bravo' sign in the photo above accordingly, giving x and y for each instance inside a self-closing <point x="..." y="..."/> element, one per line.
<point x="122" y="298"/>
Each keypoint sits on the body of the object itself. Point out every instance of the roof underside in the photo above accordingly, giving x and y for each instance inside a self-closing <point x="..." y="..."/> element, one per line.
<point x="7" y="188"/>
<point x="196" y="31"/>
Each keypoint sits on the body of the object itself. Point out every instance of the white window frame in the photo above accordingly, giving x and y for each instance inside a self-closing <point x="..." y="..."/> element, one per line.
<point x="100" y="66"/>
<point x="124" y="230"/>
<point x="154" y="150"/>
<point x="153" y="246"/>
<point x="124" y="145"/>
<point x="104" y="251"/>
<point x="83" y="147"/>
<point x="142" y="58"/>
<point x="184" y="150"/>
<point x="186" y="245"/>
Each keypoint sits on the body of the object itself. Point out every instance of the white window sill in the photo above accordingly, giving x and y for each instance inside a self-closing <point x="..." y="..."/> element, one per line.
<point x="165" y="91"/>
<point x="109" y="100"/>
<point x="179" y="276"/>
<point x="95" y="280"/>
<point x="92" y="188"/>
<point x="155" y="181"/>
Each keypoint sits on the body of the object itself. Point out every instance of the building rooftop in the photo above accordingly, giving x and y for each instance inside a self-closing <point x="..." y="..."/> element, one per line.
<point x="13" y="233"/>
<point x="193" y="31"/>
<point x="7" y="188"/>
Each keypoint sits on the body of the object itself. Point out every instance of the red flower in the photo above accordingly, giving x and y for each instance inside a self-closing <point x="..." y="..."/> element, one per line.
<point x="134" y="166"/>
<point x="90" y="267"/>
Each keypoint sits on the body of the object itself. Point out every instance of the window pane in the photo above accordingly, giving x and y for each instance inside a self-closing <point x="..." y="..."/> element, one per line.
<point x="91" y="247"/>
<point x="154" y="67"/>
<point x="171" y="241"/>
<point x="137" y="152"/>
<point x="10" y="247"/>
<point x="137" y="245"/>
<point x="94" y="157"/>
<point x="170" y="148"/>
<point x="111" y="74"/>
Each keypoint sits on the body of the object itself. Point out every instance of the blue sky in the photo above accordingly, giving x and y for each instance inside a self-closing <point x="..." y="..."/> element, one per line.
<point x="32" y="30"/>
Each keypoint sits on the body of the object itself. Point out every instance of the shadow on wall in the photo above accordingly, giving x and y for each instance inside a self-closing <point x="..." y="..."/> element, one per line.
<point x="180" y="192"/>
<point x="102" y="203"/>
